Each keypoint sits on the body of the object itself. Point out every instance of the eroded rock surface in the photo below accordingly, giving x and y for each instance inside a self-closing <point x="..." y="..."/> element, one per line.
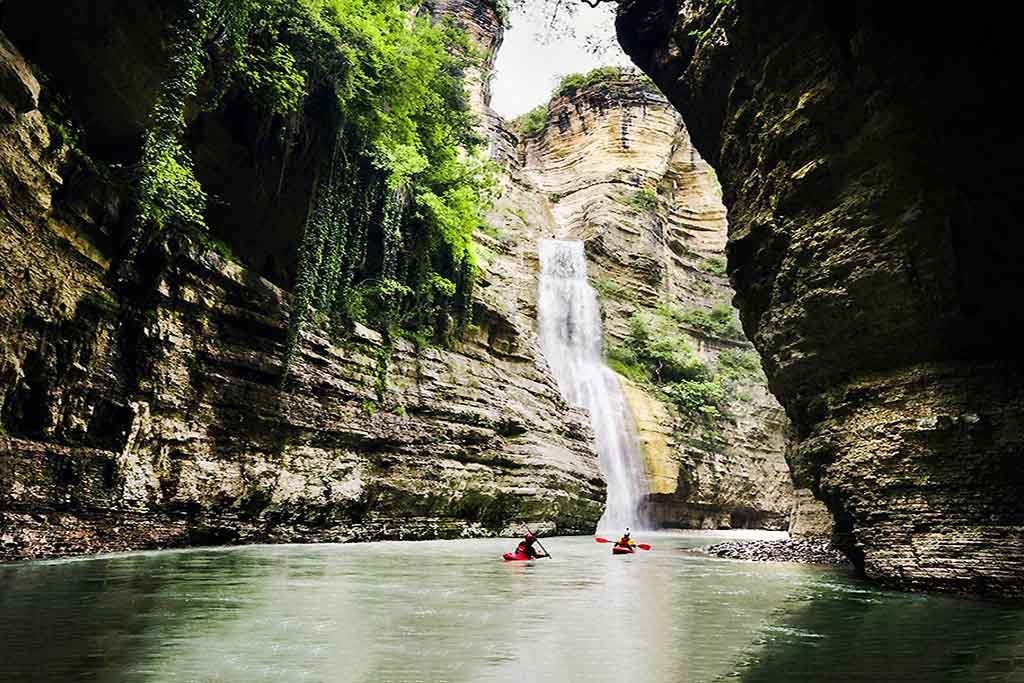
<point x="871" y="170"/>
<point x="152" y="415"/>
<point x="614" y="167"/>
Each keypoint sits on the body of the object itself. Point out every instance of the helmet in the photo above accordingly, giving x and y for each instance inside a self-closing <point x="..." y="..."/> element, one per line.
<point x="529" y="536"/>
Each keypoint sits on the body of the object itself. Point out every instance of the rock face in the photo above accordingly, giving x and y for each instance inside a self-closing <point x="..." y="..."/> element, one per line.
<point x="871" y="170"/>
<point x="579" y="178"/>
<point x="154" y="416"/>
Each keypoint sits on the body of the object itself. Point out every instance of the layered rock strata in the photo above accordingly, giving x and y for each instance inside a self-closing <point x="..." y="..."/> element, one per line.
<point x="154" y="415"/>
<point x="871" y="170"/>
<point x="579" y="178"/>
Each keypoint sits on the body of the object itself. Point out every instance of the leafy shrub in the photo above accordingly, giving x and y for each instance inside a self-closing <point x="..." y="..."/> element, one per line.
<point x="572" y="83"/>
<point x="659" y="348"/>
<point x="643" y="200"/>
<point x="719" y="320"/>
<point x="698" y="399"/>
<point x="609" y="289"/>
<point x="739" y="365"/>
<point x="657" y="354"/>
<point x="714" y="265"/>
<point x="533" y="121"/>
<point x="623" y="361"/>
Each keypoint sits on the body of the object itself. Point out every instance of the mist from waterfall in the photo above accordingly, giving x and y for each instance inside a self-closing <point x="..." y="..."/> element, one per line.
<point x="569" y="319"/>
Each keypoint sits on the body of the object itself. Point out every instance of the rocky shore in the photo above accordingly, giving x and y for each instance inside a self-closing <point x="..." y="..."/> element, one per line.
<point x="805" y="551"/>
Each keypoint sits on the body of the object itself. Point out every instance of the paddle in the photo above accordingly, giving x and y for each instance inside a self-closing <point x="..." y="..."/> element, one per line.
<point x="642" y="546"/>
<point x="546" y="553"/>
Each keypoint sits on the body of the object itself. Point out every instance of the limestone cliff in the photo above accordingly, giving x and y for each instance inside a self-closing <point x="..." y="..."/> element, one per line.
<point x="150" y="411"/>
<point x="152" y="414"/>
<point x="870" y="166"/>
<point x="614" y="167"/>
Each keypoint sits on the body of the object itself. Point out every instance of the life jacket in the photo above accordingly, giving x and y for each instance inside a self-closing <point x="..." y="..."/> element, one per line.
<point x="625" y="542"/>
<point x="525" y="548"/>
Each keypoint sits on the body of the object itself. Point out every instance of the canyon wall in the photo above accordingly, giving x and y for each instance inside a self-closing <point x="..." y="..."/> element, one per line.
<point x="149" y="411"/>
<point x="613" y="166"/>
<point x="152" y="413"/>
<point x="871" y="169"/>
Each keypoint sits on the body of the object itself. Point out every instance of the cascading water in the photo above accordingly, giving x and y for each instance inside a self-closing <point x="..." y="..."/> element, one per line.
<point x="571" y="337"/>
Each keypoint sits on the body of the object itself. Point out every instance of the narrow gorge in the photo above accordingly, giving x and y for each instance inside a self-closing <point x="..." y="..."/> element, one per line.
<point x="324" y="356"/>
<point x="150" y="412"/>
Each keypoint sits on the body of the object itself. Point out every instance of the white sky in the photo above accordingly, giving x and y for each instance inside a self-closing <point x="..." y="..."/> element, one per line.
<point x="528" y="66"/>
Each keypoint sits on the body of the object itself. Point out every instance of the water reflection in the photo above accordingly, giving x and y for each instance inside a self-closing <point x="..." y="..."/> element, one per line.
<point x="858" y="634"/>
<point x="60" y="620"/>
<point x="450" y="611"/>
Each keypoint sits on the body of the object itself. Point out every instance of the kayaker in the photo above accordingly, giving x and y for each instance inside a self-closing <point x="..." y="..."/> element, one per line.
<point x="626" y="541"/>
<point x="525" y="547"/>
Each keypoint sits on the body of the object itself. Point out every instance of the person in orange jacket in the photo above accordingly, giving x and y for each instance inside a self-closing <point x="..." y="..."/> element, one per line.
<point x="626" y="542"/>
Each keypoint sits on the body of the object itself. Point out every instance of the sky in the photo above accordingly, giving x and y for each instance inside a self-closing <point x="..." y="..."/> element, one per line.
<point x="528" y="66"/>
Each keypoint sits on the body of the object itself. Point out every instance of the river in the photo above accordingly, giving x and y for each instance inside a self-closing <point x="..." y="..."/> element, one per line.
<point x="453" y="611"/>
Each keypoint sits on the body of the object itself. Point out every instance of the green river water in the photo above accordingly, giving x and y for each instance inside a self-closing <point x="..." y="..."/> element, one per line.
<point x="453" y="611"/>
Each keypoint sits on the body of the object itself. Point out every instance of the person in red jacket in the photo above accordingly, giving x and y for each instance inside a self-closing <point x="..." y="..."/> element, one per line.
<point x="525" y="547"/>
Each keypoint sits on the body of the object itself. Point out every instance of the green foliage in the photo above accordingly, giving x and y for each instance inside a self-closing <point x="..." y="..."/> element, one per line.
<point x="533" y="121"/>
<point x="714" y="265"/>
<point x="61" y="127"/>
<point x="572" y="83"/>
<point x="167" y="188"/>
<point x="273" y="78"/>
<point x="740" y="365"/>
<point x="376" y="90"/>
<point x="662" y="350"/>
<point x="502" y="9"/>
<point x="609" y="289"/>
<point x="719" y="320"/>
<point x="624" y="361"/>
<point x="400" y="191"/>
<point x="698" y="399"/>
<point x="655" y="353"/>
<point x="643" y="200"/>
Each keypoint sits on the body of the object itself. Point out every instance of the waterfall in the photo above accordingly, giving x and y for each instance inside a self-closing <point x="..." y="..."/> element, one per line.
<point x="571" y="337"/>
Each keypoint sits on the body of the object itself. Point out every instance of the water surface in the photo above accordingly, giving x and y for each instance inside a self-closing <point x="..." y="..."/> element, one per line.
<point x="451" y="611"/>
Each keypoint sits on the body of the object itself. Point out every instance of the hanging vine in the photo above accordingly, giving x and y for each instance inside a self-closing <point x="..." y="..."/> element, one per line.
<point x="391" y="229"/>
<point x="167" y="187"/>
<point x="375" y="93"/>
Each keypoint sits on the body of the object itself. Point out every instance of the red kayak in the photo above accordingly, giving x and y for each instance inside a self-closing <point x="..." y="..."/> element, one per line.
<point x="513" y="557"/>
<point x="619" y="550"/>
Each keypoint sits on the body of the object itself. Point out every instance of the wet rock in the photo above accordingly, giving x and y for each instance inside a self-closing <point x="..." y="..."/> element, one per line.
<point x="156" y="417"/>
<point x="614" y="167"/>
<point x="871" y="176"/>
<point x="804" y="551"/>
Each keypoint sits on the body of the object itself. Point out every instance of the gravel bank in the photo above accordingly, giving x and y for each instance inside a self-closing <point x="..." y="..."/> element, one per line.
<point x="807" y="551"/>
